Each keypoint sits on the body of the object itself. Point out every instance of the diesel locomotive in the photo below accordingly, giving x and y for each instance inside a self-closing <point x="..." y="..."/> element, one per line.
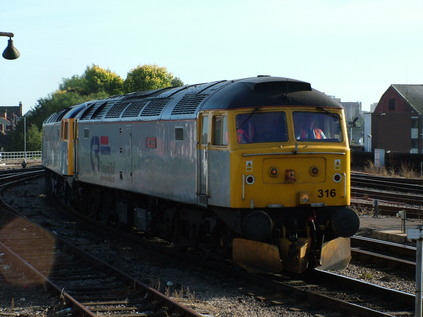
<point x="255" y="168"/>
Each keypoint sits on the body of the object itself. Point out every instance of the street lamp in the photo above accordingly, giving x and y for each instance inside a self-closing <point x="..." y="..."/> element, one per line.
<point x="10" y="52"/>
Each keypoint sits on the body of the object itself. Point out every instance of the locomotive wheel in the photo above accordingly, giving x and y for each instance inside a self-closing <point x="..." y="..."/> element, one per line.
<point x="218" y="244"/>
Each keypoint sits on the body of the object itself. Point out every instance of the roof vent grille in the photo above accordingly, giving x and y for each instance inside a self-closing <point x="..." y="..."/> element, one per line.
<point x="154" y="108"/>
<point x="188" y="104"/>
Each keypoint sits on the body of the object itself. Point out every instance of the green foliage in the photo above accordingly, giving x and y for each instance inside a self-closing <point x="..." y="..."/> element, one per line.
<point x="101" y="80"/>
<point x="94" y="80"/>
<point x="177" y="82"/>
<point x="147" y="77"/>
<point x="33" y="138"/>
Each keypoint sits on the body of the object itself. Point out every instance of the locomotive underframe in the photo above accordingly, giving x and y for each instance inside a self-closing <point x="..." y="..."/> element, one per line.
<point x="288" y="238"/>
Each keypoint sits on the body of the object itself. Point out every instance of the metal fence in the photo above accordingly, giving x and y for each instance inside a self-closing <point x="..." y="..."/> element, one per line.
<point x="20" y="156"/>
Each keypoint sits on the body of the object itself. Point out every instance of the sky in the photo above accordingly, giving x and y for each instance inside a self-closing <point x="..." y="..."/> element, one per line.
<point x="351" y="49"/>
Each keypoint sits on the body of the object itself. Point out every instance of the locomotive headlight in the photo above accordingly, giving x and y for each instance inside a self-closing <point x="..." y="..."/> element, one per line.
<point x="250" y="179"/>
<point x="314" y="171"/>
<point x="337" y="178"/>
<point x="273" y="172"/>
<point x="303" y="198"/>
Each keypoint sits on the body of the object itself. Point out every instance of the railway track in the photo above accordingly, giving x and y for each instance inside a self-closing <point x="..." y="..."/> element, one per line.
<point x="393" y="194"/>
<point x="384" y="253"/>
<point x="322" y="289"/>
<point x="88" y="285"/>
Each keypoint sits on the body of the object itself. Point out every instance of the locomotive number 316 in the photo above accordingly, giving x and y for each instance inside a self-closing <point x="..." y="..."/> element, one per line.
<point x="326" y="193"/>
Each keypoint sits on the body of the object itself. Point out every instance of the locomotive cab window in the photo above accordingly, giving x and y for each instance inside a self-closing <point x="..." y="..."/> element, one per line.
<point x="317" y="127"/>
<point x="64" y="130"/>
<point x="261" y="127"/>
<point x="204" y="130"/>
<point x="220" y="131"/>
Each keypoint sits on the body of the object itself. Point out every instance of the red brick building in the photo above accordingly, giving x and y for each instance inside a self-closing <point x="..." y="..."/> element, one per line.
<point x="397" y="122"/>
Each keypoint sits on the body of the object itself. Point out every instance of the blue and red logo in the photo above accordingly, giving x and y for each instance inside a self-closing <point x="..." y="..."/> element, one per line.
<point x="99" y="145"/>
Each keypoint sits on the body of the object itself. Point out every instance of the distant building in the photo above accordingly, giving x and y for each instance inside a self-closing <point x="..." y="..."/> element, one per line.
<point x="9" y="118"/>
<point x="397" y="121"/>
<point x="352" y="110"/>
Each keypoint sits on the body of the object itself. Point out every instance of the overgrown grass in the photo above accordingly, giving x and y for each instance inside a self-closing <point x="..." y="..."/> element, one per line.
<point x="404" y="171"/>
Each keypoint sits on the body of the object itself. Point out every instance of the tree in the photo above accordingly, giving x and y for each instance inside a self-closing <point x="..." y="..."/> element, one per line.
<point x="99" y="79"/>
<point x="177" y="82"/>
<point x="94" y="80"/>
<point x="75" y="84"/>
<point x="33" y="138"/>
<point x="147" y="77"/>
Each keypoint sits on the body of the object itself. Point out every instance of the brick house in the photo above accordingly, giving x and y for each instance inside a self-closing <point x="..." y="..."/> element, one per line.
<point x="397" y="121"/>
<point x="9" y="118"/>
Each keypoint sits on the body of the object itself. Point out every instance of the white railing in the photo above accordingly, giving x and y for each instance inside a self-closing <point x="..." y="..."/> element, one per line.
<point x="20" y="156"/>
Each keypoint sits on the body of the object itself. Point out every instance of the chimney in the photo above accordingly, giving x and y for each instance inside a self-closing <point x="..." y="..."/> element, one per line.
<point x="20" y="109"/>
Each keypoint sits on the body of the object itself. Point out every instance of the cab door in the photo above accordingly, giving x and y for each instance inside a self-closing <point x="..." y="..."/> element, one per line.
<point x="203" y="161"/>
<point x="125" y="152"/>
<point x="67" y="137"/>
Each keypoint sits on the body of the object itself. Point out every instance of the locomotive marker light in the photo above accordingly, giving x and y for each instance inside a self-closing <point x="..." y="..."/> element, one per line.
<point x="417" y="234"/>
<point x="273" y="172"/>
<point x="10" y="51"/>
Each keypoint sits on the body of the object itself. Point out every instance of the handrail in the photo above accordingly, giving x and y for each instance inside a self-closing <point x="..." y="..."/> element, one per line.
<point x="20" y="155"/>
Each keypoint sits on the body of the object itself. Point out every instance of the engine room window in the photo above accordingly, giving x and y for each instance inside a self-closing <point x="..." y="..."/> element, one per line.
<point x="86" y="133"/>
<point x="317" y="127"/>
<point x="179" y="134"/>
<point x="261" y="127"/>
<point x="220" y="130"/>
<point x="204" y="130"/>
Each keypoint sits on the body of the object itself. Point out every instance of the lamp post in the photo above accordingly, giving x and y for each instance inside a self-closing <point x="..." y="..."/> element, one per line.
<point x="10" y="52"/>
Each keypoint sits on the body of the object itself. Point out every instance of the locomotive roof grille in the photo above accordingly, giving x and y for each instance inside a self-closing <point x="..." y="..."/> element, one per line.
<point x="116" y="110"/>
<point x="56" y="117"/>
<point x="154" y="108"/>
<point x="88" y="112"/>
<point x="188" y="104"/>
<point x="100" y="111"/>
<point x="134" y="109"/>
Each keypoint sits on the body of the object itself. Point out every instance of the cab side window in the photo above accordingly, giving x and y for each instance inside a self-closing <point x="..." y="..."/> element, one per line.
<point x="64" y="130"/>
<point x="204" y="130"/>
<point x="220" y="131"/>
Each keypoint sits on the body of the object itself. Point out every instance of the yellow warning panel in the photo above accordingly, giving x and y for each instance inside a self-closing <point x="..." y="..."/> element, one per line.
<point x="255" y="256"/>
<point x="336" y="254"/>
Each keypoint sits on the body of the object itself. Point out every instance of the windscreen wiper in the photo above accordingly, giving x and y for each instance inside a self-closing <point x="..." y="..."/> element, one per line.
<point x="248" y="118"/>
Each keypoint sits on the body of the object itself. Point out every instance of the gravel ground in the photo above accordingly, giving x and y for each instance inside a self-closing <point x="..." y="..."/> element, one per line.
<point x="209" y="296"/>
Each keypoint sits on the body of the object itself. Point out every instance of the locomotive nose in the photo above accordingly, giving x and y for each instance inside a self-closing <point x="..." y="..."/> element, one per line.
<point x="345" y="222"/>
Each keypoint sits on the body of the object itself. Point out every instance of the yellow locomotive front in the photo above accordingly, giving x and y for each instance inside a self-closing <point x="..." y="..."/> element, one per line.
<point x="290" y="170"/>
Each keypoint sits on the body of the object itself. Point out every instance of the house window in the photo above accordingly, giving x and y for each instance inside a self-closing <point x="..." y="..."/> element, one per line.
<point x="414" y="122"/>
<point x="414" y="143"/>
<point x="391" y="105"/>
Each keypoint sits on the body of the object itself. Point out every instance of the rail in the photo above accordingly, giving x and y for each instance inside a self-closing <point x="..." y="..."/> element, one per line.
<point x="20" y="156"/>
